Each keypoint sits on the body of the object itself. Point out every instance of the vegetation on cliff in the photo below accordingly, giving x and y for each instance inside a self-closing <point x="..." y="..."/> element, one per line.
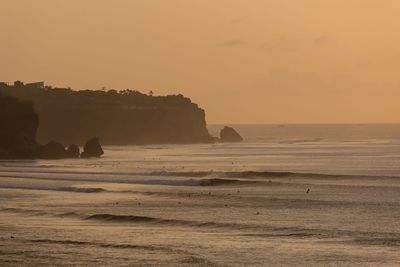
<point x="117" y="117"/>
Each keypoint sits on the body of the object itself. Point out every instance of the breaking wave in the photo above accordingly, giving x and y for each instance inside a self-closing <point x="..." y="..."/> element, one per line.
<point x="167" y="222"/>
<point x="264" y="230"/>
<point x="260" y="174"/>
<point x="62" y="189"/>
<point x="65" y="174"/>
<point x="391" y="239"/>
<point x="103" y="245"/>
<point x="81" y="190"/>
<point x="197" y="174"/>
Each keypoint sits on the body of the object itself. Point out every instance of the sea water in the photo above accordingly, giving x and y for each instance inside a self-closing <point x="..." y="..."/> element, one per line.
<point x="294" y="195"/>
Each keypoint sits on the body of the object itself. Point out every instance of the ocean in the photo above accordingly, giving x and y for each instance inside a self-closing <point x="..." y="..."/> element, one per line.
<point x="289" y="195"/>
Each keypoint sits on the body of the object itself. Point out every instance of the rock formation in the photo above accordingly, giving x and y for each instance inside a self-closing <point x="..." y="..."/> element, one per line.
<point x="229" y="135"/>
<point x="18" y="125"/>
<point x="73" y="151"/>
<point x="92" y="149"/>
<point x="118" y="117"/>
<point x="52" y="150"/>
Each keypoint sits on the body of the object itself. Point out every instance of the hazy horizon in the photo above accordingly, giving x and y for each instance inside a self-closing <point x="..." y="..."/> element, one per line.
<point x="244" y="62"/>
<point x="288" y="154"/>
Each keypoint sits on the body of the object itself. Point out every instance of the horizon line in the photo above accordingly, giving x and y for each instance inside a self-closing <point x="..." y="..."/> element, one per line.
<point x="308" y="123"/>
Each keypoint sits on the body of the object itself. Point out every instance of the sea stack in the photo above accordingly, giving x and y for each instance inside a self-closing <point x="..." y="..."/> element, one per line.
<point x="92" y="149"/>
<point x="230" y="135"/>
<point x="73" y="151"/>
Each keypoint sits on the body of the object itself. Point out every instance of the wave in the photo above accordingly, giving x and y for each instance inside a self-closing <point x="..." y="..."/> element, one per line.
<point x="261" y="174"/>
<point x="25" y="211"/>
<point x="264" y="175"/>
<point x="219" y="181"/>
<point x="387" y="239"/>
<point x="125" y="218"/>
<point x="387" y="242"/>
<point x="187" y="182"/>
<point x="31" y="212"/>
<point x="266" y="231"/>
<point x="81" y="190"/>
<point x="293" y="231"/>
<point x="180" y="178"/>
<point x="300" y="141"/>
<point x="122" y="180"/>
<point x="188" y="257"/>
<point x="195" y="174"/>
<point x="159" y="221"/>
<point x="62" y="189"/>
<point x="103" y="245"/>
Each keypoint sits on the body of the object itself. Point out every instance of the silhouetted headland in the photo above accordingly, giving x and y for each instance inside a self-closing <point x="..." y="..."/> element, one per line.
<point x="117" y="117"/>
<point x="71" y="117"/>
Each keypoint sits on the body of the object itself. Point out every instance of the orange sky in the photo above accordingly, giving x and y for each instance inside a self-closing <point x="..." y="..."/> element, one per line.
<point x="243" y="61"/>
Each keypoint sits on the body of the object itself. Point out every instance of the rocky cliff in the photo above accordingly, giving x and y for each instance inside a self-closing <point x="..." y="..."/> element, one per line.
<point x="18" y="125"/>
<point x="117" y="117"/>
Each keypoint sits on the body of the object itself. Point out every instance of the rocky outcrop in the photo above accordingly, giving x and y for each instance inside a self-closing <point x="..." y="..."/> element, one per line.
<point x="73" y="151"/>
<point x="52" y="150"/>
<point x="229" y="135"/>
<point x="55" y="150"/>
<point x="18" y="125"/>
<point x="92" y="149"/>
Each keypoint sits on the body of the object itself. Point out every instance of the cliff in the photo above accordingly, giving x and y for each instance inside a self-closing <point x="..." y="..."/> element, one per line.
<point x="18" y="125"/>
<point x="117" y="117"/>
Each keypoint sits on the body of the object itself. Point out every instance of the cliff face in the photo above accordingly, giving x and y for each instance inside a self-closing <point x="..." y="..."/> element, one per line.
<point x="18" y="125"/>
<point x="118" y="118"/>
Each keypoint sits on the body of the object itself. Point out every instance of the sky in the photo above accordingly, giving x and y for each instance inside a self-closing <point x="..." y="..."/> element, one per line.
<point x="243" y="61"/>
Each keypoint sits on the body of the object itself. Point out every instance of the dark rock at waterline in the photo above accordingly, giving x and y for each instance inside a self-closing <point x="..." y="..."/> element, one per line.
<point x="92" y="149"/>
<point x="228" y="134"/>
<point x="73" y="151"/>
<point x="52" y="150"/>
<point x="18" y="125"/>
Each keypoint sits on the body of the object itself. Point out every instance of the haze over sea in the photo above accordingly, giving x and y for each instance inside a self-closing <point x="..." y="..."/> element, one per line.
<point x="312" y="195"/>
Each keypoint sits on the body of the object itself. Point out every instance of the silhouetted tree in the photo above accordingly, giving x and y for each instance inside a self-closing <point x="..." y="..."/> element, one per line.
<point x="18" y="84"/>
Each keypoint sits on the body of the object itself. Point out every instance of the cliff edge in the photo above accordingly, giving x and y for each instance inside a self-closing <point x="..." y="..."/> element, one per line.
<point x="117" y="117"/>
